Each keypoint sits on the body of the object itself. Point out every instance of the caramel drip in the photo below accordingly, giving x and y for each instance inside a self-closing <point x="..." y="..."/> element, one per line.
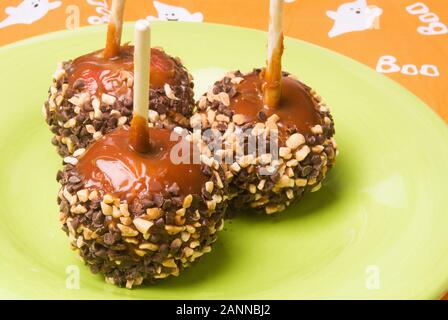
<point x="112" y="42"/>
<point x="115" y="75"/>
<point x="273" y="74"/>
<point x="111" y="165"/>
<point x="139" y="135"/>
<point x="296" y="107"/>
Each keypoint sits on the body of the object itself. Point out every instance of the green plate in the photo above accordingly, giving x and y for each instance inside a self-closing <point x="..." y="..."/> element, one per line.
<point x="377" y="229"/>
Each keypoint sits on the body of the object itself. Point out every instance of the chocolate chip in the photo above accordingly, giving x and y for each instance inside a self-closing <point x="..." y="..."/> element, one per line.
<point x="155" y="238"/>
<point x="311" y="140"/>
<point x="206" y="170"/>
<point x="164" y="249"/>
<point x="75" y="223"/>
<point x="94" y="269"/>
<point x="109" y="238"/>
<point x="173" y="189"/>
<point x="314" y="173"/>
<point x="262" y="116"/>
<point x="222" y="126"/>
<point x="88" y="107"/>
<point x="329" y="150"/>
<point x="315" y="159"/>
<point x="320" y="139"/>
<point x="147" y="203"/>
<point x="175" y="245"/>
<point x="157" y="258"/>
<point x="160" y="222"/>
<point x="274" y="177"/>
<point x="167" y="204"/>
<point x="216" y="90"/>
<point x="232" y="92"/>
<point x="170" y="216"/>
<point x="306" y="170"/>
<point x="79" y="84"/>
<point x="74" y="179"/>
<point x="102" y="253"/>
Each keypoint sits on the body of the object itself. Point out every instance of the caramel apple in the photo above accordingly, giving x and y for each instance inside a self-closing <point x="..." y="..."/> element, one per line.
<point x="132" y="210"/>
<point x="93" y="94"/>
<point x="273" y="108"/>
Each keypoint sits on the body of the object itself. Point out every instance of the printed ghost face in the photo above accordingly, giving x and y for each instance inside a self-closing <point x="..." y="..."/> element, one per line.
<point x="35" y="3"/>
<point x="353" y="16"/>
<point x="173" y="13"/>
<point x="36" y="8"/>
<point x="28" y="11"/>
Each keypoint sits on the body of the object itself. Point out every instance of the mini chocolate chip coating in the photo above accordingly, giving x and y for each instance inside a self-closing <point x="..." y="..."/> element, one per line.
<point x="153" y="234"/>
<point x="306" y="146"/>
<point x="90" y="96"/>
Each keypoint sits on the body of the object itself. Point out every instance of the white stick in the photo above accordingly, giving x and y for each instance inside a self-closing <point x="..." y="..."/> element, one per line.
<point x="114" y="29"/>
<point x="142" y="56"/>
<point x="275" y="26"/>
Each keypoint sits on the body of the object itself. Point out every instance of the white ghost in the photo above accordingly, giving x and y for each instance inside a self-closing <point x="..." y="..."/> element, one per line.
<point x="354" y="16"/>
<point x="28" y="11"/>
<point x="168" y="12"/>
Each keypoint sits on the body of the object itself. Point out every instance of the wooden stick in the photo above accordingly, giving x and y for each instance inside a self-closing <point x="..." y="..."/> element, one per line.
<point x="273" y="73"/>
<point x="114" y="28"/>
<point x="139" y="132"/>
